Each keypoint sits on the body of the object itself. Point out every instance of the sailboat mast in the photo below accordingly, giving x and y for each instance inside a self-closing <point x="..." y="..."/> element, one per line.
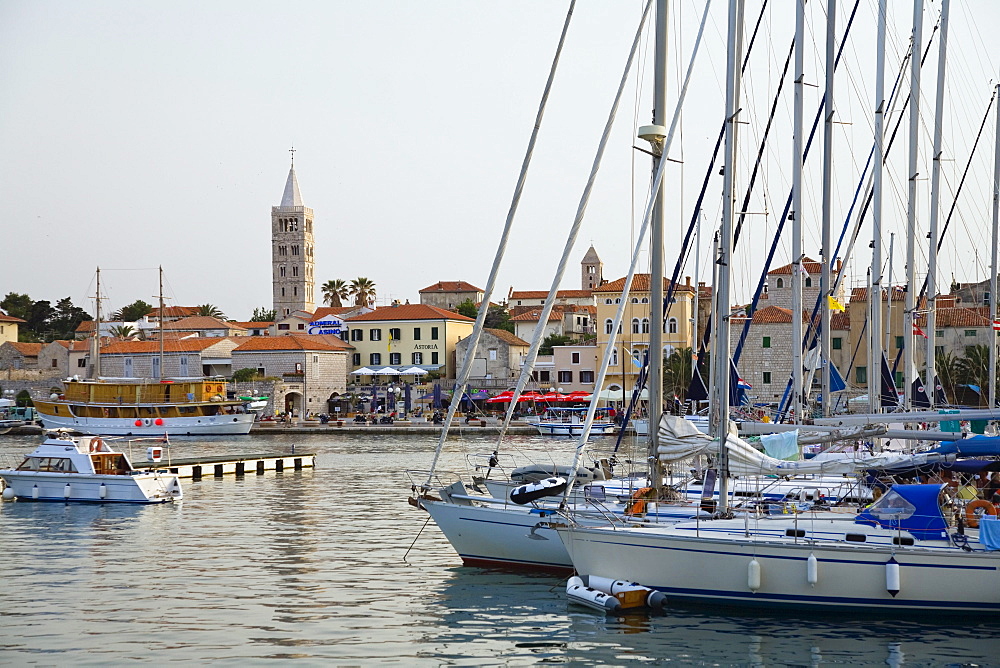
<point x="656" y="240"/>
<point x="910" y="305"/>
<point x="97" y="328"/>
<point x="799" y="75"/>
<point x="160" y="373"/>
<point x="888" y="301"/>
<point x="720" y="347"/>
<point x="875" y="291"/>
<point x="697" y="276"/>
<point x="825" y="283"/>
<point x="929" y="384"/>
<point x="993" y="263"/>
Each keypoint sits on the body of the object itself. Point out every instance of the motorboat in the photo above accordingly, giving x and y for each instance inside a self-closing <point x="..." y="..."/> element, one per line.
<point x="86" y="468"/>
<point x="570" y="422"/>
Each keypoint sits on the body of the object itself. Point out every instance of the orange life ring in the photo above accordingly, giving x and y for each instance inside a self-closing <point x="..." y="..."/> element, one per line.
<point x="95" y="444"/>
<point x="639" y="500"/>
<point x="972" y="517"/>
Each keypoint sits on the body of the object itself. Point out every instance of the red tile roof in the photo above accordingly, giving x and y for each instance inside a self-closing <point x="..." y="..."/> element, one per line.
<point x="192" y="345"/>
<point x="961" y="317"/>
<point x="898" y="294"/>
<point x="542" y="294"/>
<point x="197" y="322"/>
<point x="451" y="286"/>
<point x="26" y="349"/>
<point x="293" y="342"/>
<point x="640" y="283"/>
<point x="811" y="266"/>
<point x="409" y="312"/>
<point x="506" y="337"/>
<point x="174" y="311"/>
<point x="324" y="311"/>
<point x="9" y="318"/>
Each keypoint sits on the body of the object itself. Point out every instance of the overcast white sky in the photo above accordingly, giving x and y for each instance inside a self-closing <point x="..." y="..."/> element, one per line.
<point x="135" y="134"/>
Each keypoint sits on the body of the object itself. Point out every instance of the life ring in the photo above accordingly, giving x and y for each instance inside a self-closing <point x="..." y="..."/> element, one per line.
<point x="972" y="517"/>
<point x="96" y="444"/>
<point x="640" y="498"/>
<point x="147" y="421"/>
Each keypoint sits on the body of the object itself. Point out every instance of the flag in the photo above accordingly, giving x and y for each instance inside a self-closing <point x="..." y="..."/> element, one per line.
<point x="918" y="332"/>
<point x="996" y="325"/>
<point x="743" y="385"/>
<point x="834" y="304"/>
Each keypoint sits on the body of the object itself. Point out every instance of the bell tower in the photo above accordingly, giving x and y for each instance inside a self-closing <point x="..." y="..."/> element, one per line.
<point x="591" y="270"/>
<point x="292" y="260"/>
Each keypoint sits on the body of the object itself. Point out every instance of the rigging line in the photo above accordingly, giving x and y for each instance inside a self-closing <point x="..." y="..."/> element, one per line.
<point x="532" y="354"/>
<point x="415" y="538"/>
<point x="466" y="370"/>
<point x="788" y="203"/>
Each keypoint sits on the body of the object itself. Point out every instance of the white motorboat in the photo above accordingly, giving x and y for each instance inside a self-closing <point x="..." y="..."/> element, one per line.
<point x="570" y="422"/>
<point x="904" y="553"/>
<point x="85" y="468"/>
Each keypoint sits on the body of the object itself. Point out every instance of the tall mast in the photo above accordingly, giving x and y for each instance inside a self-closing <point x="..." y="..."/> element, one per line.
<point x="888" y="301"/>
<point x="160" y="375"/>
<point x="697" y="275"/>
<point x="655" y="382"/>
<point x="875" y="293"/>
<point x="911" y="206"/>
<point x="824" y="288"/>
<point x="720" y="346"/>
<point x="799" y="75"/>
<point x="993" y="263"/>
<point x="935" y="195"/>
<point x="97" y="328"/>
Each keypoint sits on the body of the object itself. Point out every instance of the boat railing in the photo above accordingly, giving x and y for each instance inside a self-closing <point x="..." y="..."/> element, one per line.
<point x="437" y="479"/>
<point x="480" y="462"/>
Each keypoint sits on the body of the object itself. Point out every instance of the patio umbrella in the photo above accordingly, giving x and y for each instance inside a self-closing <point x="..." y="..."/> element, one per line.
<point x="554" y="397"/>
<point x="413" y="371"/>
<point x="387" y="371"/>
<point x="363" y="371"/>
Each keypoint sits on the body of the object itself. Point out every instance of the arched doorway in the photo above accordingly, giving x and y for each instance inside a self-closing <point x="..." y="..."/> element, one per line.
<point x="293" y="404"/>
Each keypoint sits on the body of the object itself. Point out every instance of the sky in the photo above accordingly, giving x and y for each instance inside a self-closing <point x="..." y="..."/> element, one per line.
<point x="139" y="135"/>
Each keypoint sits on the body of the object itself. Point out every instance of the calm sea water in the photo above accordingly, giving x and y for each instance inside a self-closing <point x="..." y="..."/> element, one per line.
<point x="309" y="565"/>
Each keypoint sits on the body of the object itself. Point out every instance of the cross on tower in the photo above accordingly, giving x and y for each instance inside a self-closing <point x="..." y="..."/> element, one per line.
<point x="292" y="151"/>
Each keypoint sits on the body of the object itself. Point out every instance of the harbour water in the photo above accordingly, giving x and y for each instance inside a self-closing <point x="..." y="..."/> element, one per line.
<point x="309" y="565"/>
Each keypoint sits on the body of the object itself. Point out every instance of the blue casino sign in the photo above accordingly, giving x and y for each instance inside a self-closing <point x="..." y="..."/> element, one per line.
<point x="331" y="326"/>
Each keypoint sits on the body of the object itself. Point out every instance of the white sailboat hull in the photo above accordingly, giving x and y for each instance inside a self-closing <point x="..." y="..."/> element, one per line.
<point x="848" y="577"/>
<point x="202" y="425"/>
<point x="134" y="488"/>
<point x="567" y="429"/>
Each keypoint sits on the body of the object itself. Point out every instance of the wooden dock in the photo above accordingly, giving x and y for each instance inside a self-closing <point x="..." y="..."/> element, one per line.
<point x="252" y="464"/>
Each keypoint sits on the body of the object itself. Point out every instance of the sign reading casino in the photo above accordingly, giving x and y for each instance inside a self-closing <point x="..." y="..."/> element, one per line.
<point x="330" y="326"/>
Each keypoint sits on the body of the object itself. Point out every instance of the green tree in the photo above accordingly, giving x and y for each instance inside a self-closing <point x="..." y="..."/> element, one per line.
<point x="363" y="290"/>
<point x="65" y="319"/>
<point x="134" y="311"/>
<point x="212" y="311"/>
<point x="23" y="398"/>
<point x="677" y="371"/>
<point x="553" y="340"/>
<point x="335" y="292"/>
<point x="245" y="375"/>
<point x="17" y="305"/>
<point x="122" y="331"/>
<point x="974" y="368"/>
<point x="468" y="309"/>
<point x="948" y="370"/>
<point x="263" y="314"/>
<point x="498" y="317"/>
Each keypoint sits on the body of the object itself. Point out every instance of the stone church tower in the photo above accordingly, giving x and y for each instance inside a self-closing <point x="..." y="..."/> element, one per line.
<point x="592" y="270"/>
<point x="292" y="259"/>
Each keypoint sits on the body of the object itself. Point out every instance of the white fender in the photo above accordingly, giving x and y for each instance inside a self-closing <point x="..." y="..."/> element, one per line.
<point x="67" y="491"/>
<point x="34" y="492"/>
<point x="753" y="575"/>
<point x="892" y="576"/>
<point x="8" y="494"/>
<point x="812" y="570"/>
<point x="654" y="598"/>
<point x="104" y="491"/>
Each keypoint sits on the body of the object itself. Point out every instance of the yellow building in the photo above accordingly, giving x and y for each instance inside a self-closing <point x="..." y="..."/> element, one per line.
<point x="8" y="327"/>
<point x="633" y="339"/>
<point x="407" y="335"/>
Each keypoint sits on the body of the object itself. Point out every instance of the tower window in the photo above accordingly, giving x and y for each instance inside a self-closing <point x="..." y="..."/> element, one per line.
<point x="295" y="249"/>
<point x="281" y="271"/>
<point x="295" y="271"/>
<point x="293" y="224"/>
<point x="282" y="250"/>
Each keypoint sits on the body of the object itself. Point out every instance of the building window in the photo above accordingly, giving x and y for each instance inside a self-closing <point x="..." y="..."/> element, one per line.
<point x="635" y="300"/>
<point x="565" y="377"/>
<point x="374" y="334"/>
<point x="543" y="376"/>
<point x="608" y="301"/>
<point x="434" y="358"/>
<point x="587" y="377"/>
<point x="395" y="358"/>
<point x="767" y="378"/>
<point x="281" y="272"/>
<point x="809" y="282"/>
<point x="282" y="292"/>
<point x="295" y="271"/>
<point x="356" y="359"/>
<point x="417" y="358"/>
<point x="672" y="326"/>
<point x="635" y="325"/>
<point x="780" y="283"/>
<point x="295" y="250"/>
<point x="575" y="357"/>
<point x="357" y="335"/>
<point x="395" y="334"/>
<point x="970" y="332"/>
<point x="82" y="362"/>
<point x="614" y="357"/>
<point x="493" y="354"/>
<point x="861" y="375"/>
<point x="434" y="333"/>
<point x="261" y="371"/>
<point x="302" y="325"/>
<point x="416" y="333"/>
<point x="283" y="325"/>
<point x="766" y="342"/>
<point x="608" y="326"/>
<point x="295" y="291"/>
<point x="938" y="333"/>
<point x="282" y="250"/>
<point x="899" y="342"/>
<point x="375" y="358"/>
<point x="645" y="325"/>
<point x="645" y="300"/>
<point x="837" y="343"/>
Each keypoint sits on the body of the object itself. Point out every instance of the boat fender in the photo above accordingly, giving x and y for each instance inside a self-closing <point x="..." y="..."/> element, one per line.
<point x="537" y="490"/>
<point x="976" y="509"/>
<point x="576" y="592"/>
<point x="148" y="422"/>
<point x="67" y="491"/>
<point x="8" y="494"/>
<point x="104" y="491"/>
<point x="34" y="492"/>
<point x="653" y="598"/>
<point x="892" y="576"/>
<point x="753" y="575"/>
<point x="812" y="570"/>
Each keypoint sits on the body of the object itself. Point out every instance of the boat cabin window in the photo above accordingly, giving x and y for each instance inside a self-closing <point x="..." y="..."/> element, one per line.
<point x="892" y="506"/>
<point x="49" y="464"/>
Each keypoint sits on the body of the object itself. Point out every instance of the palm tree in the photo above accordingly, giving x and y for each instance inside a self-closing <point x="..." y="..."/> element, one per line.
<point x="974" y="368"/>
<point x="363" y="290"/>
<point x="335" y="291"/>
<point x="946" y="365"/>
<point x="211" y="310"/>
<point x="677" y="373"/>
<point x="122" y="331"/>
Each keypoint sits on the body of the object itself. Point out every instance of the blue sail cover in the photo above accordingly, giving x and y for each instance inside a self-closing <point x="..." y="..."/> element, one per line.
<point x="977" y="446"/>
<point x="913" y="508"/>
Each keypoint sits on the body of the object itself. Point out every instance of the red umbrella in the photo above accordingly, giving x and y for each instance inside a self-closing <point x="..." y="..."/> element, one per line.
<point x="529" y="396"/>
<point x="553" y="397"/>
<point x="502" y="398"/>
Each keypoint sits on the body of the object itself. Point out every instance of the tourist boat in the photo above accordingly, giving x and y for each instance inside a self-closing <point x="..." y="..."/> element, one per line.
<point x="570" y="422"/>
<point x="128" y="406"/>
<point x="904" y="553"/>
<point x="85" y="468"/>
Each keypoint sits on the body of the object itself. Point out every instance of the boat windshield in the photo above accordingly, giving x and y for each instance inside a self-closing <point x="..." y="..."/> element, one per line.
<point x="48" y="464"/>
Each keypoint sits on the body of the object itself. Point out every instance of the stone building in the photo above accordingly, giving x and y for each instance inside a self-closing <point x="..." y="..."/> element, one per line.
<point x="183" y="358"/>
<point x="17" y="355"/>
<point x="292" y="251"/>
<point x="591" y="270"/>
<point x="779" y="284"/>
<point x="449" y="294"/>
<point x="408" y="335"/>
<point x="65" y="358"/>
<point x="313" y="369"/>
<point x="498" y="359"/>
